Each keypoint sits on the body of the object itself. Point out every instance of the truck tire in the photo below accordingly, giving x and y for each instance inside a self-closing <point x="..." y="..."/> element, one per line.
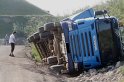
<point x="41" y="29"/>
<point x="31" y="38"/>
<point x="52" y="60"/>
<point x="57" y="68"/>
<point x="53" y="26"/>
<point x="49" y="26"/>
<point x="47" y="35"/>
<point x="36" y="36"/>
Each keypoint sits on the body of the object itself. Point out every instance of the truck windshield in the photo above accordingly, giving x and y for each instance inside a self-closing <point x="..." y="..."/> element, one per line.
<point x="105" y="37"/>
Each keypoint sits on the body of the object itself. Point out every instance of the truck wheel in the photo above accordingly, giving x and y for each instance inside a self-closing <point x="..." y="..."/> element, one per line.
<point x="57" y="68"/>
<point x="52" y="60"/>
<point x="53" y="26"/>
<point x="36" y="36"/>
<point x="49" y="26"/>
<point x="31" y="38"/>
<point x="41" y="29"/>
<point x="47" y="35"/>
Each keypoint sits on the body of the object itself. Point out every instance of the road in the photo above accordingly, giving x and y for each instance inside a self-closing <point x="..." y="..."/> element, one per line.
<point x="19" y="68"/>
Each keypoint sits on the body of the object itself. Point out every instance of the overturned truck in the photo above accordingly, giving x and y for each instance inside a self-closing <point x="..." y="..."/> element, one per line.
<point x="86" y="40"/>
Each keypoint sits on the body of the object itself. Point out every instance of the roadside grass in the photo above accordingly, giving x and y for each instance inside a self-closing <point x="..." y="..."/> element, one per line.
<point x="122" y="80"/>
<point x="122" y="70"/>
<point x="35" y="53"/>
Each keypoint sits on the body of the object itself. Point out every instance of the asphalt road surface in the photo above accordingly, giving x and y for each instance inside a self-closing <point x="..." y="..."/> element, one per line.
<point x="17" y="69"/>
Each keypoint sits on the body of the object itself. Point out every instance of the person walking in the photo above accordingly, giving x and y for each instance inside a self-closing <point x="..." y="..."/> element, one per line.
<point x="12" y="43"/>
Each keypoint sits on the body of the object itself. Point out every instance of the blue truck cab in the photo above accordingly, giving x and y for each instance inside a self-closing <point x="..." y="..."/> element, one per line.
<point x="91" y="41"/>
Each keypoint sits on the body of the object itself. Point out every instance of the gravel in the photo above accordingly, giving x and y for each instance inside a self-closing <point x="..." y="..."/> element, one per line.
<point x="106" y="74"/>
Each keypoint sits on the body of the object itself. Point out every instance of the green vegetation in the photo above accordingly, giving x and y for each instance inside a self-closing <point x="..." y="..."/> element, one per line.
<point x="35" y="53"/>
<point x="35" y="22"/>
<point x="5" y="26"/>
<point x="122" y="70"/>
<point x="115" y="8"/>
<point x="8" y="24"/>
<point x="24" y="25"/>
<point x="122" y="80"/>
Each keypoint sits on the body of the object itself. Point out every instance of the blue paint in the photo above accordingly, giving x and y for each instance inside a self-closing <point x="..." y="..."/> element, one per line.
<point x="89" y="57"/>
